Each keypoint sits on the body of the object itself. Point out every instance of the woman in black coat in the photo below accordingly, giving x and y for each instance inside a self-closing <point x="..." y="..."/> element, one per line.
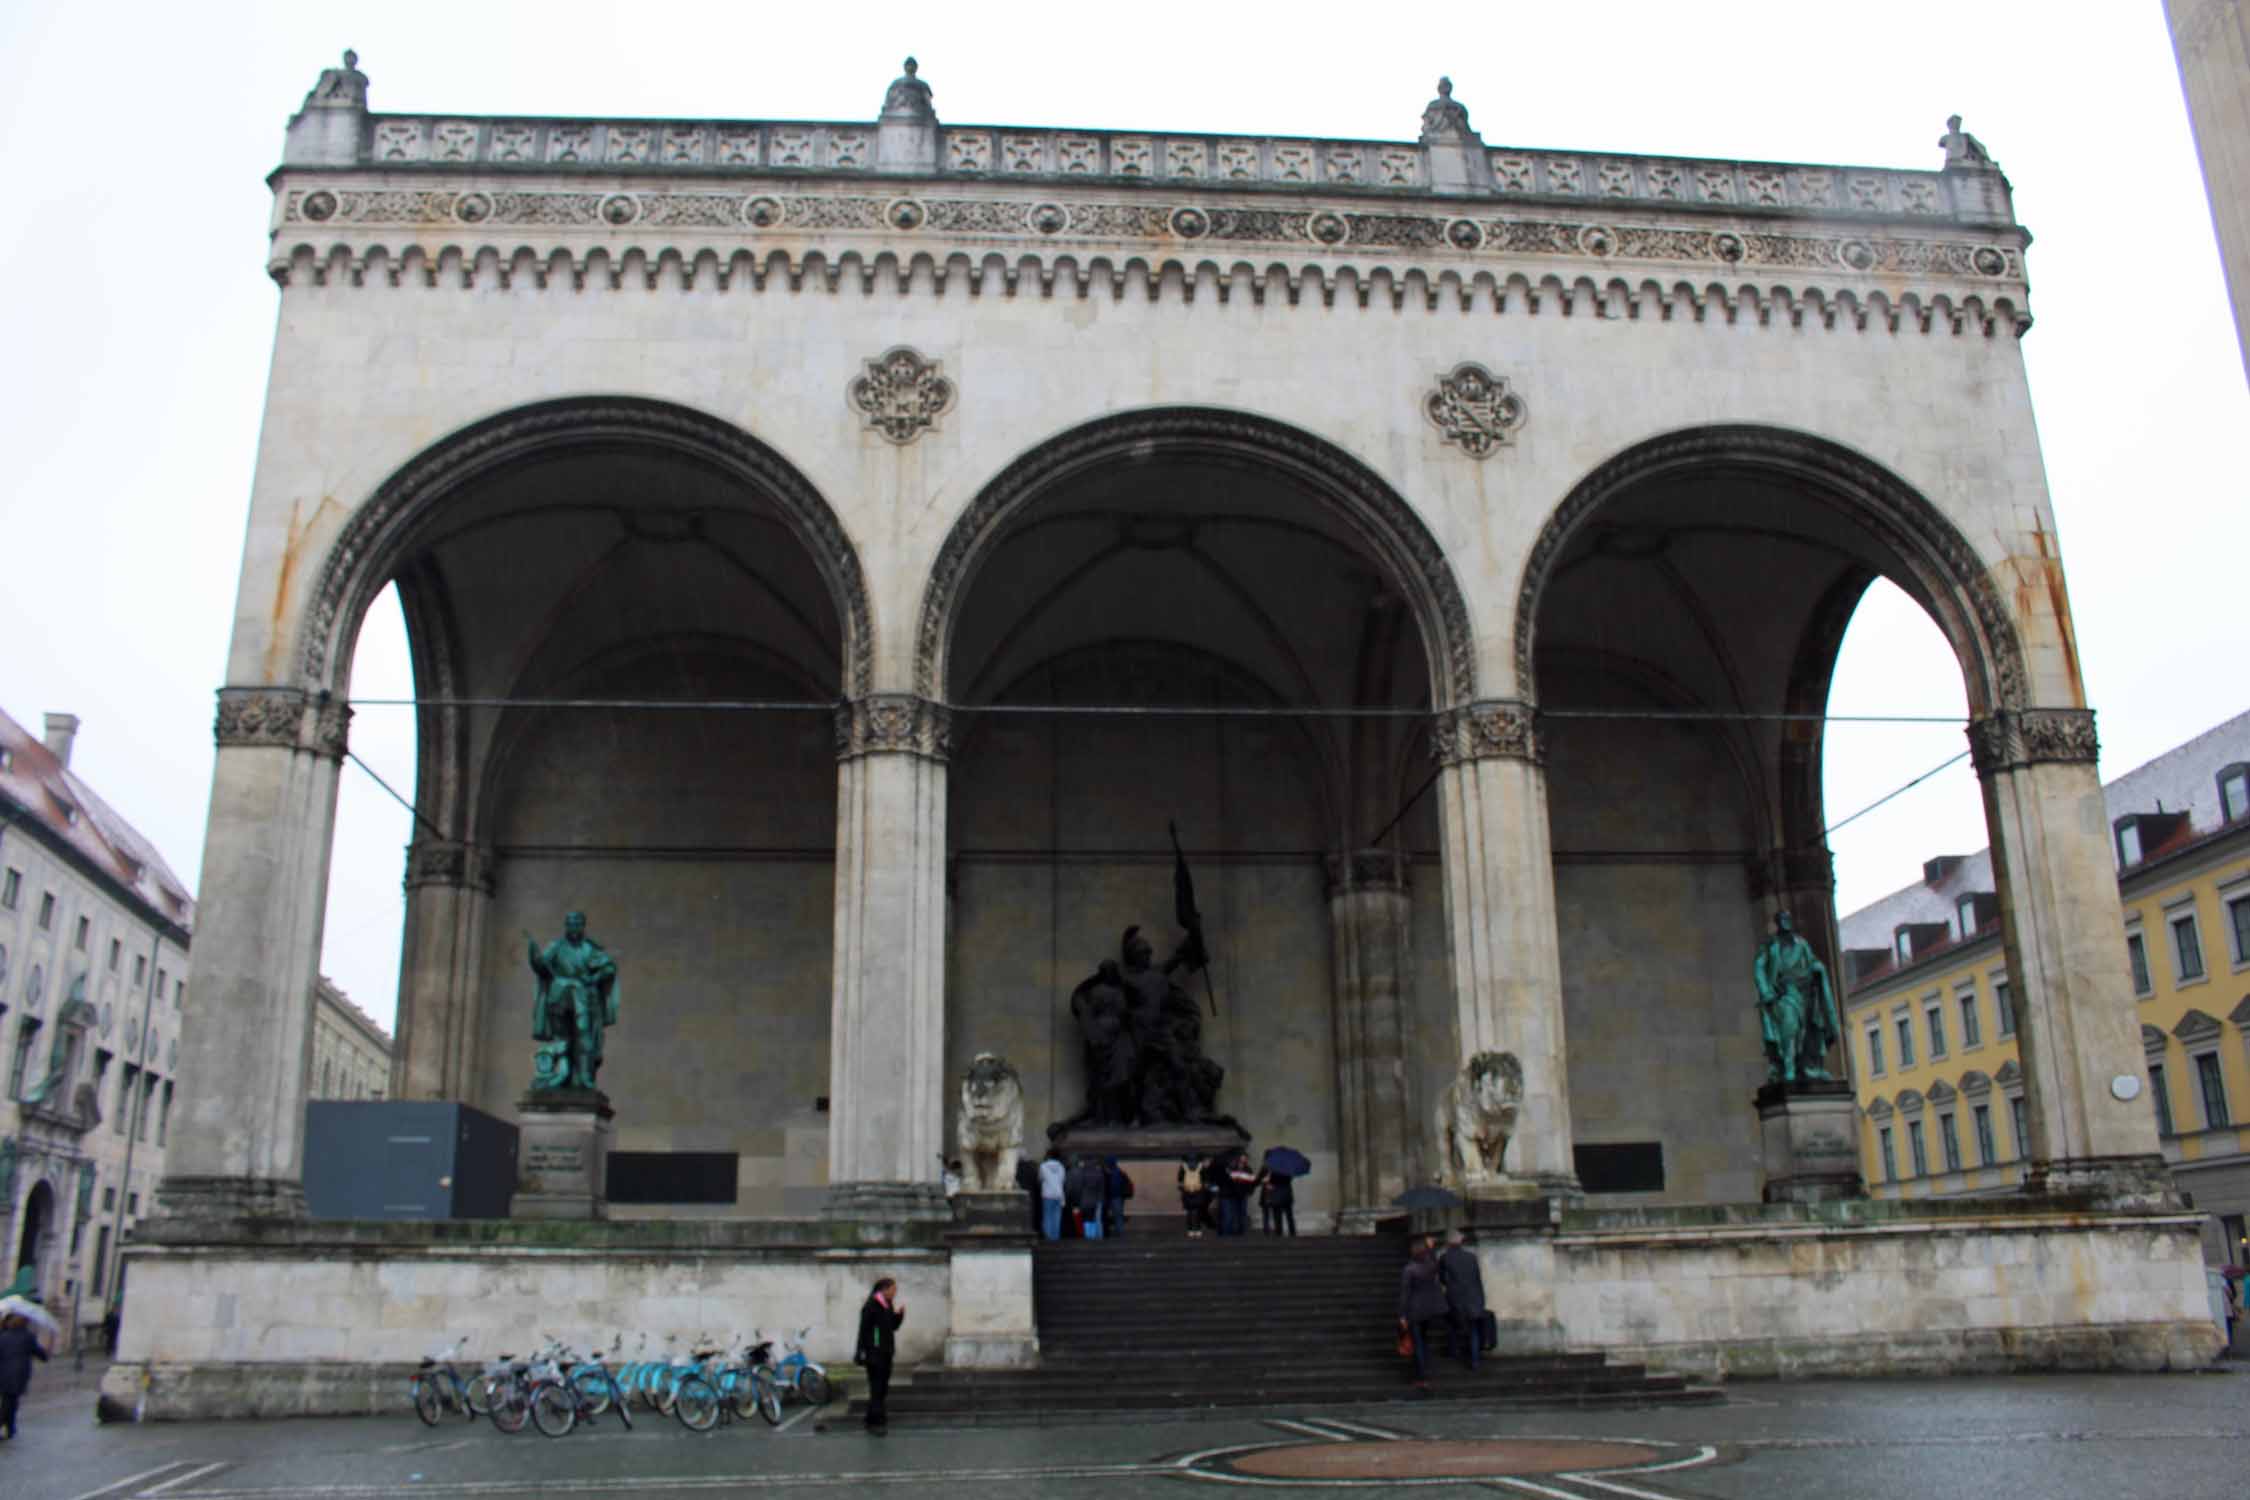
<point x="1421" y="1303"/>
<point x="879" y="1318"/>
<point x="18" y="1348"/>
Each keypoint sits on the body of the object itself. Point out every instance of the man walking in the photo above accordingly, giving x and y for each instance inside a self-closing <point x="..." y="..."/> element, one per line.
<point x="1052" y="1174"/>
<point x="1464" y="1297"/>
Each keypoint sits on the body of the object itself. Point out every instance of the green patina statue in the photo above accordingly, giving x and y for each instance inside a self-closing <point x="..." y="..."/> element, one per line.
<point x="1796" y="1006"/>
<point x="576" y="997"/>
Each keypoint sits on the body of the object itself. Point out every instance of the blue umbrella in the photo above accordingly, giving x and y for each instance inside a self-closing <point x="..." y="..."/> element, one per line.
<point x="1288" y="1161"/>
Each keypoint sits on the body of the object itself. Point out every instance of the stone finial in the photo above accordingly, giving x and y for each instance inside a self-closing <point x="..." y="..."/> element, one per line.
<point x="340" y="88"/>
<point x="909" y="97"/>
<point x="1444" y="119"/>
<point x="1961" y="148"/>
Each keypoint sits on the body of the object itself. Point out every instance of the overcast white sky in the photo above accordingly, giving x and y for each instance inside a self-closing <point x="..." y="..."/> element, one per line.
<point x="138" y="319"/>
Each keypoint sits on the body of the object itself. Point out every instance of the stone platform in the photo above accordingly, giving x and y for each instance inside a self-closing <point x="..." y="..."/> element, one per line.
<point x="1155" y="1143"/>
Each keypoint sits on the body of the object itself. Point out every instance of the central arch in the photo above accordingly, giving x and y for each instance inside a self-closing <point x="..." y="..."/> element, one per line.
<point x="1375" y="512"/>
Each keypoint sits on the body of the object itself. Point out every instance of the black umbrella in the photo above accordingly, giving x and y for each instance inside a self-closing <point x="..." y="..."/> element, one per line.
<point x="1288" y="1161"/>
<point x="1427" y="1197"/>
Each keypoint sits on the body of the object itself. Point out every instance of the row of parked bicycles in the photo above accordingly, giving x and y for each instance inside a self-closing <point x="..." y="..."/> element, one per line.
<point x="555" y="1389"/>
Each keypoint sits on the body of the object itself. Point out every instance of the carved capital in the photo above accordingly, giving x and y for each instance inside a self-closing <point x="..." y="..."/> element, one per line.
<point x="447" y="862"/>
<point x="282" y="718"/>
<point x="1500" y="729"/>
<point x="1366" y="870"/>
<point x="2010" y="739"/>
<point x="894" y="724"/>
<point x="901" y="394"/>
<point x="1795" y="872"/>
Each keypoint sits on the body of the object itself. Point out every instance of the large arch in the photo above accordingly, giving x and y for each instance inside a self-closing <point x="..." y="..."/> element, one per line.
<point x="376" y="540"/>
<point x="1375" y="512"/>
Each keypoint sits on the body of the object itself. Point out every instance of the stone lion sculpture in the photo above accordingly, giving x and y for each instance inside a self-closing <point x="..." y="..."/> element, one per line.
<point x="1475" y="1118"/>
<point x="991" y="1129"/>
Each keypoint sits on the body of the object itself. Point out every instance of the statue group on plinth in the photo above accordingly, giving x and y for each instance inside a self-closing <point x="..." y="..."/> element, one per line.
<point x="574" y="1001"/>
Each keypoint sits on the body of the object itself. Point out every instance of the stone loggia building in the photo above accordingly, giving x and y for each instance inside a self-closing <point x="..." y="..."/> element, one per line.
<point x="831" y="553"/>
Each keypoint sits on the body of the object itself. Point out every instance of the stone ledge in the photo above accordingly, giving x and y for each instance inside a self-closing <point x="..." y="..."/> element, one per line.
<point x="2138" y="1347"/>
<point x="606" y="1237"/>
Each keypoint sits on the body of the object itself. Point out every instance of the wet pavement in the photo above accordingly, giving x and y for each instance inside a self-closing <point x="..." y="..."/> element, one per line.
<point x="2026" y="1438"/>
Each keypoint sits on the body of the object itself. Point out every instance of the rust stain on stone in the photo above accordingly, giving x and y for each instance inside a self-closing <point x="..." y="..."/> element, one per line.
<point x="2050" y="579"/>
<point x="292" y="551"/>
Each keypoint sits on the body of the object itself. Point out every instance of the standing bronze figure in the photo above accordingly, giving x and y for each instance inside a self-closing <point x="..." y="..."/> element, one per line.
<point x="574" y="1000"/>
<point x="1796" y="1006"/>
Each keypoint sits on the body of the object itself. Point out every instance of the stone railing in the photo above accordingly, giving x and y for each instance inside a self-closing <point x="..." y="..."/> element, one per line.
<point x="1236" y="163"/>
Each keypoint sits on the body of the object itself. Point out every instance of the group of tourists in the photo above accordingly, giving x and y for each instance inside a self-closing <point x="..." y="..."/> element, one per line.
<point x="1215" y="1193"/>
<point x="1443" y="1287"/>
<point x="1076" y="1197"/>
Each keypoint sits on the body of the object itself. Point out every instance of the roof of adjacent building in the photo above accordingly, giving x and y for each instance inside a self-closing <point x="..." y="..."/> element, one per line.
<point x="349" y="1008"/>
<point x="48" y="793"/>
<point x="2182" y="779"/>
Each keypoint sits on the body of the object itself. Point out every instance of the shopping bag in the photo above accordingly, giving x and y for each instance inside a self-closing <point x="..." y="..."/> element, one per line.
<point x="1488" y="1331"/>
<point x="1405" y="1344"/>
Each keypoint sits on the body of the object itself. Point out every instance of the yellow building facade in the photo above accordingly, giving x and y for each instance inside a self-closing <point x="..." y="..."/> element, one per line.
<point x="1930" y="1019"/>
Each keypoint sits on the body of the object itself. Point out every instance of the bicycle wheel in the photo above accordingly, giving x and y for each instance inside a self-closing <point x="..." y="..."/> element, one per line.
<point x="662" y="1394"/>
<point x="428" y="1405"/>
<point x="554" y="1409"/>
<point x="813" y="1386"/>
<point x="593" y="1384"/>
<point x="696" y="1404"/>
<point x="481" y="1393"/>
<point x="617" y="1400"/>
<point x="511" y="1406"/>
<point x="769" y="1401"/>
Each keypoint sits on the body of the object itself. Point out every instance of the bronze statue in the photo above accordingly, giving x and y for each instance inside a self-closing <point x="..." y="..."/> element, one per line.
<point x="1143" y="1041"/>
<point x="1796" y="1006"/>
<point x="574" y="999"/>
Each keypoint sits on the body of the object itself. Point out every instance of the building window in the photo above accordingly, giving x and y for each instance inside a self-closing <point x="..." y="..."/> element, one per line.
<point x="1965" y="916"/>
<point x="2018" y="1117"/>
<point x="324" y="1080"/>
<point x="1875" y="1050"/>
<point x="101" y="1259"/>
<point x="2187" y="948"/>
<point x="1972" y="1033"/>
<point x="1980" y="1118"/>
<point x="1890" y="1155"/>
<point x="148" y="1102"/>
<point x="2129" y="843"/>
<point x="109" y="1199"/>
<point x="116" y="955"/>
<point x="2003" y="1006"/>
<point x="2214" y="1090"/>
<point x="164" y="1114"/>
<point x="1916" y="1150"/>
<point x="1936" y="1014"/>
<point x="140" y="969"/>
<point x="1949" y="1141"/>
<point x="1906" y="1041"/>
<point x="2136" y="957"/>
<point x="2234" y="792"/>
<point x="11" y="889"/>
<point x="2238" y="923"/>
<point x="160" y="977"/>
<point x="47" y="911"/>
<point x="27" y="1037"/>
<point x="133" y="1205"/>
<point x="127" y="1091"/>
<point x="85" y="931"/>
<point x="2161" y="1097"/>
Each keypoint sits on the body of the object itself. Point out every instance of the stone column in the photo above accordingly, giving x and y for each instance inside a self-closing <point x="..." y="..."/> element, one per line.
<point x="1368" y="915"/>
<point x="887" y="1027"/>
<point x="440" y="996"/>
<point x="2076" y="1026"/>
<point x="236" y="1147"/>
<point x="1500" y="912"/>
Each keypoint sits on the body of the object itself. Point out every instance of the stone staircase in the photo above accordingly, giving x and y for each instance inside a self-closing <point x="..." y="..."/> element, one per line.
<point x="1155" y="1323"/>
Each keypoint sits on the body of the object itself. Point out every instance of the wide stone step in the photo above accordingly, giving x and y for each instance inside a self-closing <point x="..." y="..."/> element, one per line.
<point x="1052" y="1377"/>
<point x="1009" y="1406"/>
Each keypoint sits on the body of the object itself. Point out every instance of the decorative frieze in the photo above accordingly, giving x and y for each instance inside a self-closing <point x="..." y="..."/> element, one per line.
<point x="894" y="724"/>
<point x="901" y="394"/>
<point x="286" y="718"/>
<point x="1475" y="410"/>
<point x="2008" y="739"/>
<point x="1501" y="729"/>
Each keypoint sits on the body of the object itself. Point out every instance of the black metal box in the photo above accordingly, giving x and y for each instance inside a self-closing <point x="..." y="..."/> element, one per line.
<point x="407" y="1159"/>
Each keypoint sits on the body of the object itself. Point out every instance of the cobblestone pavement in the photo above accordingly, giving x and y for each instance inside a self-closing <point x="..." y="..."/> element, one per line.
<point x="2025" y="1438"/>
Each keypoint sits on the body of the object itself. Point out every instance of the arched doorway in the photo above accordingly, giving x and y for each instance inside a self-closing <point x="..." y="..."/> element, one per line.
<point x="628" y="622"/>
<point x="1210" y="619"/>
<point x="38" y="1221"/>
<point x="1680" y="620"/>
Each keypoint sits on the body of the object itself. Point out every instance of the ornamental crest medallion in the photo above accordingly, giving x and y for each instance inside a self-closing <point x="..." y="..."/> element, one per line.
<point x="901" y="394"/>
<point x="1474" y="408"/>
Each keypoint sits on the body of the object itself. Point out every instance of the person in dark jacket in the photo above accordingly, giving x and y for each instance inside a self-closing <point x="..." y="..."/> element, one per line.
<point x="1027" y="1178"/>
<point x="1464" y="1297"/>
<point x="19" y="1346"/>
<point x="879" y="1317"/>
<point x="1421" y="1302"/>
<point x="1277" y="1201"/>
<point x="1089" y="1187"/>
<point x="1116" y="1188"/>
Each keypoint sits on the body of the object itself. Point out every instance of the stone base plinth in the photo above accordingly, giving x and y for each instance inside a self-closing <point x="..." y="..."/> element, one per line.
<point x="1005" y="1212"/>
<point x="1151" y="1143"/>
<point x="563" y="1168"/>
<point x="887" y="1203"/>
<point x="2129" y="1184"/>
<point x="1811" y="1139"/>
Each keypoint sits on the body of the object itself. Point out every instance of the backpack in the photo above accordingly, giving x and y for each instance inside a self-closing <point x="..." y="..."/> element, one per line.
<point x="1191" y="1179"/>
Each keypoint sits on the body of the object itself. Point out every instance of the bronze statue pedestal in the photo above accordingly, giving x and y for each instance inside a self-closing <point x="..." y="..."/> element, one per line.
<point x="1810" y="1132"/>
<point x="1001" y="1212"/>
<point x="1150" y="1142"/>
<point x="562" y="1170"/>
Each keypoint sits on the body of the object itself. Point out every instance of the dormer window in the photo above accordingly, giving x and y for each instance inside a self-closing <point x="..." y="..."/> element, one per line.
<point x="1965" y="915"/>
<point x="2234" y="791"/>
<point x="1905" y="945"/>
<point x="2128" y="842"/>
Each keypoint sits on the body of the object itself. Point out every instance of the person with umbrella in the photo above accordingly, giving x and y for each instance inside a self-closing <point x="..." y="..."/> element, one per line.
<point x="1421" y="1303"/>
<point x="1277" y="1197"/>
<point x="19" y="1346"/>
